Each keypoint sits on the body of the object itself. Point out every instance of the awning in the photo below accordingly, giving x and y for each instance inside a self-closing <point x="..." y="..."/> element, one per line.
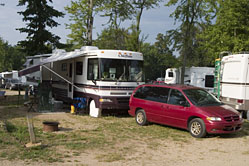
<point x="58" y="55"/>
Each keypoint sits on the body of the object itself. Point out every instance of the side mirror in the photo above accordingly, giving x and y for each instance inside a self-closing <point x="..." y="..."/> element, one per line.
<point x="184" y="103"/>
<point x="94" y="81"/>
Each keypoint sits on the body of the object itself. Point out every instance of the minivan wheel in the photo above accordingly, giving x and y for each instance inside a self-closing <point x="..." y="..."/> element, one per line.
<point x="141" y="117"/>
<point x="197" y="128"/>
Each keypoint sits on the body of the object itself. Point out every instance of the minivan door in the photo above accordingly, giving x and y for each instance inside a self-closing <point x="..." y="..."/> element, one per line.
<point x="177" y="109"/>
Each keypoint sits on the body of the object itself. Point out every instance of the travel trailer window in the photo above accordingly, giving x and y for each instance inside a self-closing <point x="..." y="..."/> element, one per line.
<point x="171" y="74"/>
<point x="79" y="68"/>
<point x="209" y="81"/>
<point x="93" y="69"/>
<point x="121" y="70"/>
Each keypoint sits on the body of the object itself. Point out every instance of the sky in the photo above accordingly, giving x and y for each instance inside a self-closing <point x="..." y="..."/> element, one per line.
<point x="153" y="21"/>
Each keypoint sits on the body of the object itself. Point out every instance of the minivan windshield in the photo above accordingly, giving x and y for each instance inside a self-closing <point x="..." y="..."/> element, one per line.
<point x="200" y="97"/>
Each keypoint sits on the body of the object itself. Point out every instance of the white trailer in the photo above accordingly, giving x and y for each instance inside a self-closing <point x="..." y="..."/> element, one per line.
<point x="234" y="85"/>
<point x="106" y="78"/>
<point x="33" y="78"/>
<point x="196" y="76"/>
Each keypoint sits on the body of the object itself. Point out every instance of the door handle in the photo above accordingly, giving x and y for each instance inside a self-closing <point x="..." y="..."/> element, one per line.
<point x="162" y="106"/>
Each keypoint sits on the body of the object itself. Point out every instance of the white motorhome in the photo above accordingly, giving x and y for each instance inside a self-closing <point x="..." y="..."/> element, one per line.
<point x="106" y="78"/>
<point x="234" y="85"/>
<point x="196" y="76"/>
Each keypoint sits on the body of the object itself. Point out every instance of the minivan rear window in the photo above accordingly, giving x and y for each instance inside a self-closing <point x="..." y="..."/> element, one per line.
<point x="158" y="94"/>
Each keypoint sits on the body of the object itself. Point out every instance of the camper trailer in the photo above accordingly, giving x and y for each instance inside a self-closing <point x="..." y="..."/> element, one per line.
<point x="33" y="78"/>
<point x="234" y="81"/>
<point x="196" y="76"/>
<point x="106" y="78"/>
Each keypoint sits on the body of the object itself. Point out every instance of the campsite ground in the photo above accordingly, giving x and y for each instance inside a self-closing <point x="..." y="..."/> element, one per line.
<point x="113" y="140"/>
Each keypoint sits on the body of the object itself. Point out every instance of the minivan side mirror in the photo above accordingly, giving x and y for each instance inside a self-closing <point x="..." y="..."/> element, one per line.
<point x="184" y="103"/>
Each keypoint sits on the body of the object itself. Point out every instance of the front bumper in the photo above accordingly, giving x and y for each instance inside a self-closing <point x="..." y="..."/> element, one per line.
<point x="223" y="127"/>
<point x="117" y="103"/>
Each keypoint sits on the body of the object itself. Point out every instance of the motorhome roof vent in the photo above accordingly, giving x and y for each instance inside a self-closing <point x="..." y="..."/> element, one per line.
<point x="59" y="51"/>
<point x="88" y="48"/>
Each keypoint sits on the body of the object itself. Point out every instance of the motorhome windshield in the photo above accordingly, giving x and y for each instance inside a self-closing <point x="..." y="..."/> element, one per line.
<point x="115" y="70"/>
<point x="200" y="97"/>
<point x="121" y="70"/>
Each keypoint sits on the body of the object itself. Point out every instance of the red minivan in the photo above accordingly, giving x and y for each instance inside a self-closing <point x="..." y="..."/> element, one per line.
<point x="185" y="107"/>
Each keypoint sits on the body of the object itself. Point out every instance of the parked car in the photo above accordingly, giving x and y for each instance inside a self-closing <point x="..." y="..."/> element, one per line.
<point x="13" y="84"/>
<point x="185" y="107"/>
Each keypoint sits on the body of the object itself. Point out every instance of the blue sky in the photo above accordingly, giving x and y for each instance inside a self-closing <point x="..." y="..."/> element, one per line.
<point x="153" y="21"/>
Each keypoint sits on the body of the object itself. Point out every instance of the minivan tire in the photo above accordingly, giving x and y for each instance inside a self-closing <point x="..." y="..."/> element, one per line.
<point x="197" y="128"/>
<point x="141" y="118"/>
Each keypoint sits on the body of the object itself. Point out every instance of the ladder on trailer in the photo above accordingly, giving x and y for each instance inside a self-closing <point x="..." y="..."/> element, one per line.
<point x="217" y="78"/>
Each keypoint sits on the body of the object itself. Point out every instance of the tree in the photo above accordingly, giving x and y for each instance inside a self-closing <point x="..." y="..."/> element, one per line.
<point x="230" y="32"/>
<point x="39" y="15"/>
<point x="140" y="6"/>
<point x="117" y="12"/>
<point x="11" y="58"/>
<point x="82" y="13"/>
<point x="158" y="57"/>
<point x="108" y="39"/>
<point x="191" y="14"/>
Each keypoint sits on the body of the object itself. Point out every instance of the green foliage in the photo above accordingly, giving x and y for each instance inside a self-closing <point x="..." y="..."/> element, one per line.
<point x="140" y="6"/>
<point x="82" y="14"/>
<point x="112" y="39"/>
<point x="158" y="57"/>
<point x="39" y="15"/>
<point x="117" y="11"/>
<point x="11" y="58"/>
<point x="230" y="32"/>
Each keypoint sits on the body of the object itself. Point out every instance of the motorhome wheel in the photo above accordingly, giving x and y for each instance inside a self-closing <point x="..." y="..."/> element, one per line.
<point x="93" y="110"/>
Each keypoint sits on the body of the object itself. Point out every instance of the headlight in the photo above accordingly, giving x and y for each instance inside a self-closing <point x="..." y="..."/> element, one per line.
<point x="105" y="100"/>
<point x="214" y="118"/>
<point x="241" y="115"/>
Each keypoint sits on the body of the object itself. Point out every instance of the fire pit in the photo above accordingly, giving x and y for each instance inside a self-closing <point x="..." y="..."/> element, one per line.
<point x="50" y="126"/>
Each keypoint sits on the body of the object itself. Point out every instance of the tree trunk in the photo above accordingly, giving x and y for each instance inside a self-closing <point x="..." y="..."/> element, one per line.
<point x="90" y="23"/>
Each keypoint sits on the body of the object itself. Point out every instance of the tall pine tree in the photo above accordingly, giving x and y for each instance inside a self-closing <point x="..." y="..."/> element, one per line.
<point x="38" y="15"/>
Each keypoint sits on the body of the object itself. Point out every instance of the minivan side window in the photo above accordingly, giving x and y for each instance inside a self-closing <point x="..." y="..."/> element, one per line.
<point x="142" y="92"/>
<point x="158" y="94"/>
<point x="177" y="98"/>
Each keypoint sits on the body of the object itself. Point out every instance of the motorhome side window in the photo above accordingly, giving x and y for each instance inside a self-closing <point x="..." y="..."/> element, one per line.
<point x="209" y="81"/>
<point x="63" y="67"/>
<point x="93" y="69"/>
<point x="79" y="68"/>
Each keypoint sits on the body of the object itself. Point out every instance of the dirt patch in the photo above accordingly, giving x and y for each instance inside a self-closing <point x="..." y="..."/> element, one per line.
<point x="125" y="143"/>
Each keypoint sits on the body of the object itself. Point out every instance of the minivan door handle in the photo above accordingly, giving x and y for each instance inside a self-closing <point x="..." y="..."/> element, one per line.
<point x="162" y="106"/>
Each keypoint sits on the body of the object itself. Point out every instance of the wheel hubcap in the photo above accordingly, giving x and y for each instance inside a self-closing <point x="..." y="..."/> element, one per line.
<point x="140" y="118"/>
<point x="195" y="128"/>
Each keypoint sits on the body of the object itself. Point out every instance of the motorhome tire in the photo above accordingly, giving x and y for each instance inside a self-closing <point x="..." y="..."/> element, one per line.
<point x="244" y="114"/>
<point x="93" y="110"/>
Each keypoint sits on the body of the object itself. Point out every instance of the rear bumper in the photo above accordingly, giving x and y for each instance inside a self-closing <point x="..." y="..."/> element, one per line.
<point x="224" y="127"/>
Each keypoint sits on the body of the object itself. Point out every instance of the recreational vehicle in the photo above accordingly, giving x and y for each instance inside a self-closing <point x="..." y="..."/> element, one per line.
<point x="196" y="76"/>
<point x="234" y="81"/>
<point x="32" y="78"/>
<point x="106" y="78"/>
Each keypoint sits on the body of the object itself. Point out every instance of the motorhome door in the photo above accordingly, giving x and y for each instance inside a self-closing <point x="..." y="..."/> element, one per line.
<point x="70" y="87"/>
